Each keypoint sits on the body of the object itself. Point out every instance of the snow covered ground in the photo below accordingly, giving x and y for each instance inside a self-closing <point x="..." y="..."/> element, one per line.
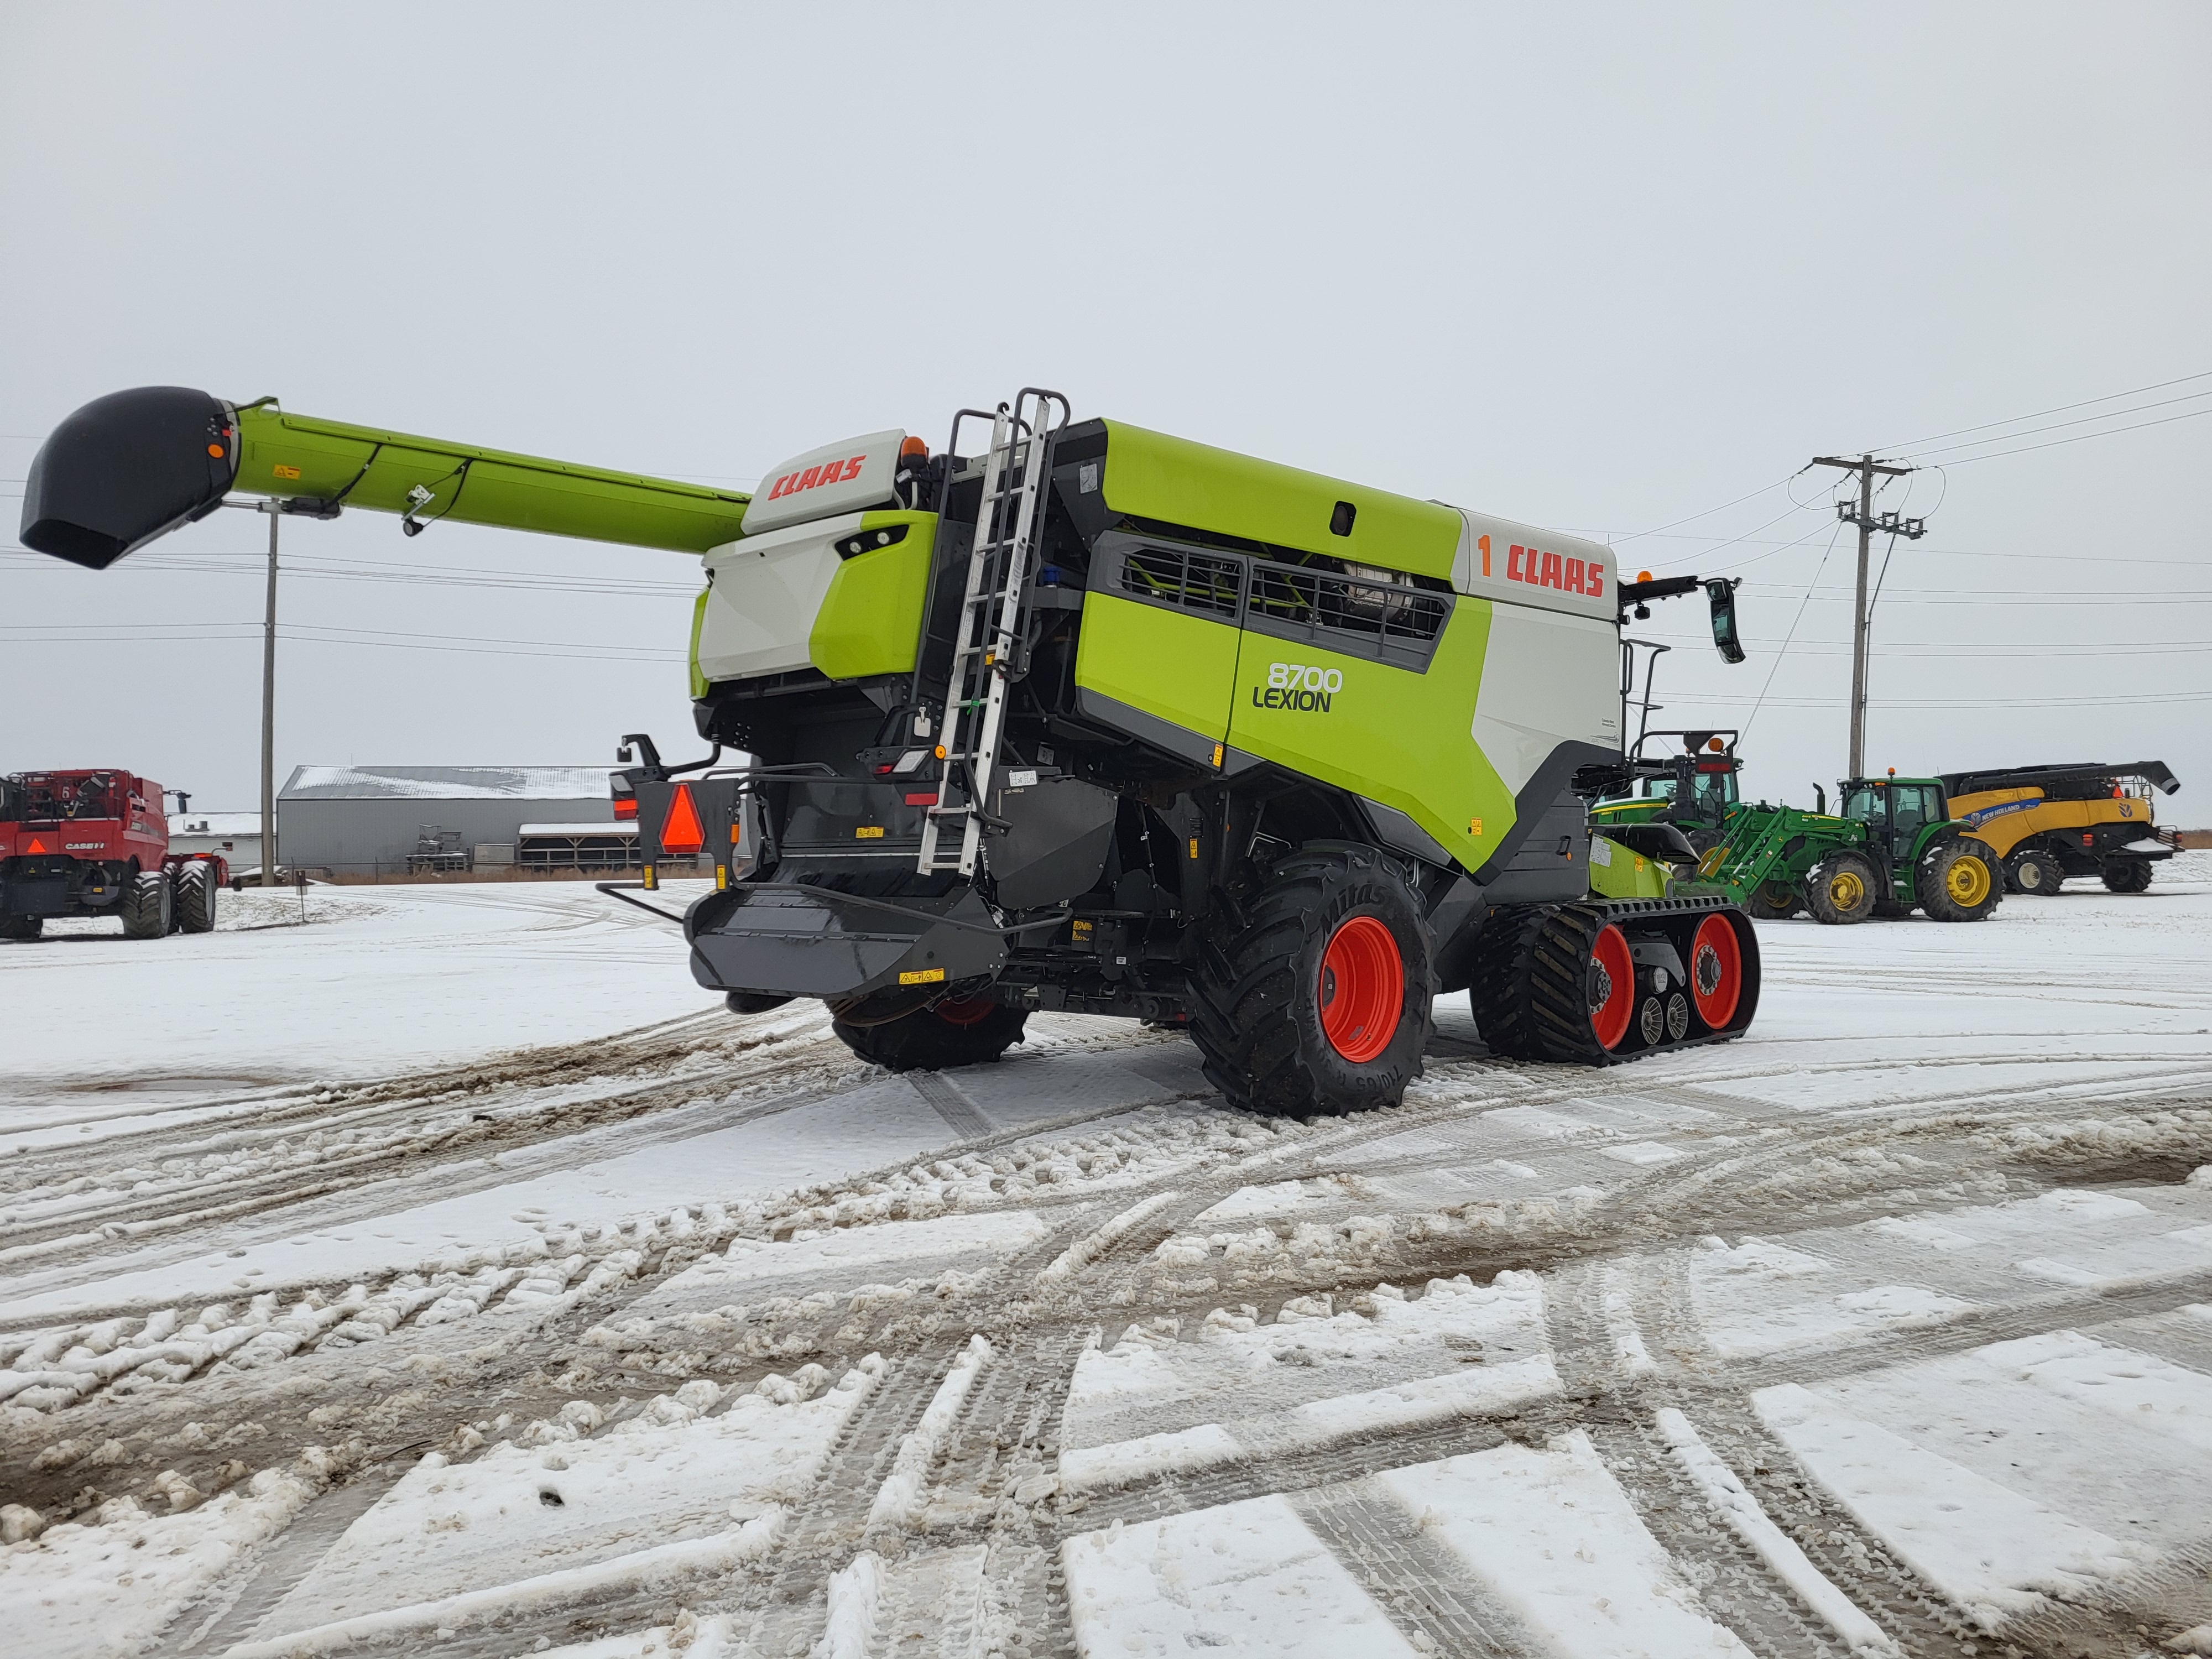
<point x="448" y="1274"/>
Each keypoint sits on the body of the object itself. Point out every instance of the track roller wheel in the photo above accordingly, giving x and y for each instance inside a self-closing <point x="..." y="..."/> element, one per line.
<point x="1319" y="1001"/>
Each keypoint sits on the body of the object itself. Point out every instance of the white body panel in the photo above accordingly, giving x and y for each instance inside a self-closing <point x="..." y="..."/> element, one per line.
<point x="840" y="477"/>
<point x="1522" y="565"/>
<point x="767" y="591"/>
<point x="1548" y="677"/>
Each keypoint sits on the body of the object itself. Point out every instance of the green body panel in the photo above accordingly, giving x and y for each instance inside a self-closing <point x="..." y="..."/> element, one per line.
<point x="1176" y="666"/>
<point x="1619" y="873"/>
<point x="1394" y="736"/>
<point x="698" y="621"/>
<point x="870" y="622"/>
<point x="1154" y="475"/>
<point x="1756" y="849"/>
<point x="287" y="455"/>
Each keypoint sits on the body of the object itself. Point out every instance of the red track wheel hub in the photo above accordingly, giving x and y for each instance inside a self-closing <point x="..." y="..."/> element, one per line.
<point x="1715" y="971"/>
<point x="964" y="1011"/>
<point x="1612" y="987"/>
<point x="1363" y="989"/>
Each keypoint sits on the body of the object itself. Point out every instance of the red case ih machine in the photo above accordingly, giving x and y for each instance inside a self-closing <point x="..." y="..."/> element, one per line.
<point x="96" y="843"/>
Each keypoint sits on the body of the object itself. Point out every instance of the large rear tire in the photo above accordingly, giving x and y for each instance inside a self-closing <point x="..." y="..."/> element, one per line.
<point x="1320" y="999"/>
<point x="22" y="927"/>
<point x="2034" y="872"/>
<point x="1960" y="881"/>
<point x="148" y="906"/>
<point x="2130" y="876"/>
<point x="1842" y="889"/>
<point x="967" y="1032"/>
<point x="196" y="897"/>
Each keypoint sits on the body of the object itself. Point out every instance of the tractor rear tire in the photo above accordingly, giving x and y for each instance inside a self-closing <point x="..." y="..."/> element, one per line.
<point x="196" y="897"/>
<point x="1774" y="903"/>
<point x="967" y="1032"/>
<point x="1960" y="881"/>
<point x="22" y="927"/>
<point x="2035" y="873"/>
<point x="1320" y="1001"/>
<point x="2128" y="875"/>
<point x="149" y="906"/>
<point x="1842" y="889"/>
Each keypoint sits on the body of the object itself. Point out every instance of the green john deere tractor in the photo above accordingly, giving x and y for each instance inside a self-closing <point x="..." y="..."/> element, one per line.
<point x="1082" y="716"/>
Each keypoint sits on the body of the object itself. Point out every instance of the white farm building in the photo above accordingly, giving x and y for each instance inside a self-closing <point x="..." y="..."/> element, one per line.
<point x="373" y="820"/>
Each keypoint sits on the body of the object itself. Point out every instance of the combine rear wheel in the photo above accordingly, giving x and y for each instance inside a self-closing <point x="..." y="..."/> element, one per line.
<point x="22" y="927"/>
<point x="148" y="906"/>
<point x="196" y="896"/>
<point x="953" y="1033"/>
<point x="2035" y="873"/>
<point x="2132" y="876"/>
<point x="1957" y="883"/>
<point x="1319" y="1002"/>
<point x="1842" y="889"/>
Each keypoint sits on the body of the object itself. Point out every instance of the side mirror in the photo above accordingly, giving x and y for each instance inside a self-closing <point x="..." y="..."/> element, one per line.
<point x="1721" y="595"/>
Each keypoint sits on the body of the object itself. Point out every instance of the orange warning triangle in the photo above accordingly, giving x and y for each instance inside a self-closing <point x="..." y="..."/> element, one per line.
<point x="681" y="832"/>
<point x="36" y="846"/>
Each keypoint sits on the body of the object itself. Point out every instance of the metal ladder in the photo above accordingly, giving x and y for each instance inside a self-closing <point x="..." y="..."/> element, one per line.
<point x="1008" y="522"/>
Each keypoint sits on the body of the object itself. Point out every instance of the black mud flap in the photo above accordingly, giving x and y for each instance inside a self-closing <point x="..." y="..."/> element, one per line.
<point x="792" y="939"/>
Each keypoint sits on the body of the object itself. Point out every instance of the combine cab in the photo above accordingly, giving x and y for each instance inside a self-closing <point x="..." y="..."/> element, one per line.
<point x="1082" y="716"/>
<point x="97" y="844"/>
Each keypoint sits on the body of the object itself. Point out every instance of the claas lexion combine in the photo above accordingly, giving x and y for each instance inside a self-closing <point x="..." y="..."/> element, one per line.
<point x="1076" y="716"/>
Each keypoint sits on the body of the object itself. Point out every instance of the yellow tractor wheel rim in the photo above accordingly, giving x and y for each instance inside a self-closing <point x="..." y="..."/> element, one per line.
<point x="1845" y="890"/>
<point x="1968" y="881"/>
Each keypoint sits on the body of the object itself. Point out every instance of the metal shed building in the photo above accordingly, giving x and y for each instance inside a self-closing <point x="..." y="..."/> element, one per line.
<point x="368" y="820"/>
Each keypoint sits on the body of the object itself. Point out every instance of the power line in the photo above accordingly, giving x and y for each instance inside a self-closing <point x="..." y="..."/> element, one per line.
<point x="2085" y="420"/>
<point x="2080" y="438"/>
<point x="2037" y="415"/>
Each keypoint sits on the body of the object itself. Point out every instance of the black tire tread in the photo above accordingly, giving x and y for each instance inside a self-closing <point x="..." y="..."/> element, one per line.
<point x="924" y="1041"/>
<point x="147" y="906"/>
<point x="196" y="898"/>
<point x="1816" y="888"/>
<point x="22" y="927"/>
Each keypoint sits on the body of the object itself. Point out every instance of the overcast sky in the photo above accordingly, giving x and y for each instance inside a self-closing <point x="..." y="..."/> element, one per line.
<point x="1600" y="268"/>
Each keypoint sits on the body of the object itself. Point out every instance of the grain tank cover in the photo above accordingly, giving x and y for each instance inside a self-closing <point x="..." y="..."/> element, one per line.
<point x="843" y="478"/>
<point x="126" y="468"/>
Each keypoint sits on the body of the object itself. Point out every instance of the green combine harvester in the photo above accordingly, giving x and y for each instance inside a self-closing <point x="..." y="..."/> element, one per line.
<point x="1083" y="717"/>
<point x="1892" y="848"/>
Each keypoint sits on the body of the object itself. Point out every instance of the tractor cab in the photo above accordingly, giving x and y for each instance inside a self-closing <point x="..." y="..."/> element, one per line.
<point x="1898" y="813"/>
<point x="1687" y="779"/>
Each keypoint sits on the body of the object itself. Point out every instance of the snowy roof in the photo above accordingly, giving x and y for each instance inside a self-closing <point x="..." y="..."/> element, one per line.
<point x="578" y="829"/>
<point x="448" y="783"/>
<point x="214" y="824"/>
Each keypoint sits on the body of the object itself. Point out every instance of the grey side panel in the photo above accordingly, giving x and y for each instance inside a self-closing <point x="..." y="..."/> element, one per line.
<point x="775" y="938"/>
<point x="1540" y="810"/>
<point x="1062" y="828"/>
<point x="1398" y="831"/>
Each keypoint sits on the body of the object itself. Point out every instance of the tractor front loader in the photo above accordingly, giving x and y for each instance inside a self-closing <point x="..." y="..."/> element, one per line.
<point x="1077" y="715"/>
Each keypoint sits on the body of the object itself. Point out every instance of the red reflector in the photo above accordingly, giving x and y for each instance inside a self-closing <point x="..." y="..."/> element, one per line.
<point x="880" y="770"/>
<point x="929" y="799"/>
<point x="625" y="806"/>
<point x="681" y="832"/>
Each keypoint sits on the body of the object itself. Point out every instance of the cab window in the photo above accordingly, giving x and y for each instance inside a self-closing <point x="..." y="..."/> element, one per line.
<point x="1863" y="806"/>
<point x="1915" y="808"/>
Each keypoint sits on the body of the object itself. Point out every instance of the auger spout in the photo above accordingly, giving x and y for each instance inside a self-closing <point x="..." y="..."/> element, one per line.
<point x="134" y="465"/>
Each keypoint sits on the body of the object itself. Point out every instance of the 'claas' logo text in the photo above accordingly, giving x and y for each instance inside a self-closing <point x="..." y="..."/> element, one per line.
<point x="815" y="477"/>
<point x="1541" y="570"/>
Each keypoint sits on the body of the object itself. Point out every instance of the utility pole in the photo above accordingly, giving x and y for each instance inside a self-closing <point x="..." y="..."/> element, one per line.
<point x="1912" y="529"/>
<point x="274" y="509"/>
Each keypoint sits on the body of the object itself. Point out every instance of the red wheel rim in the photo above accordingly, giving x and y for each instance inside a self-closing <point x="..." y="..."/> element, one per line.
<point x="1612" y="987"/>
<point x="964" y="1011"/>
<point x="1715" y="971"/>
<point x="1363" y="989"/>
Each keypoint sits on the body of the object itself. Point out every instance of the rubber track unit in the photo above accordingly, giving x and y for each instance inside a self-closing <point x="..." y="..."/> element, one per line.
<point x="1532" y="988"/>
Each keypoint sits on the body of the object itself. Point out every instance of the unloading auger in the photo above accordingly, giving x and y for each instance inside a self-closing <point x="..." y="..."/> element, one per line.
<point x="1088" y="718"/>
